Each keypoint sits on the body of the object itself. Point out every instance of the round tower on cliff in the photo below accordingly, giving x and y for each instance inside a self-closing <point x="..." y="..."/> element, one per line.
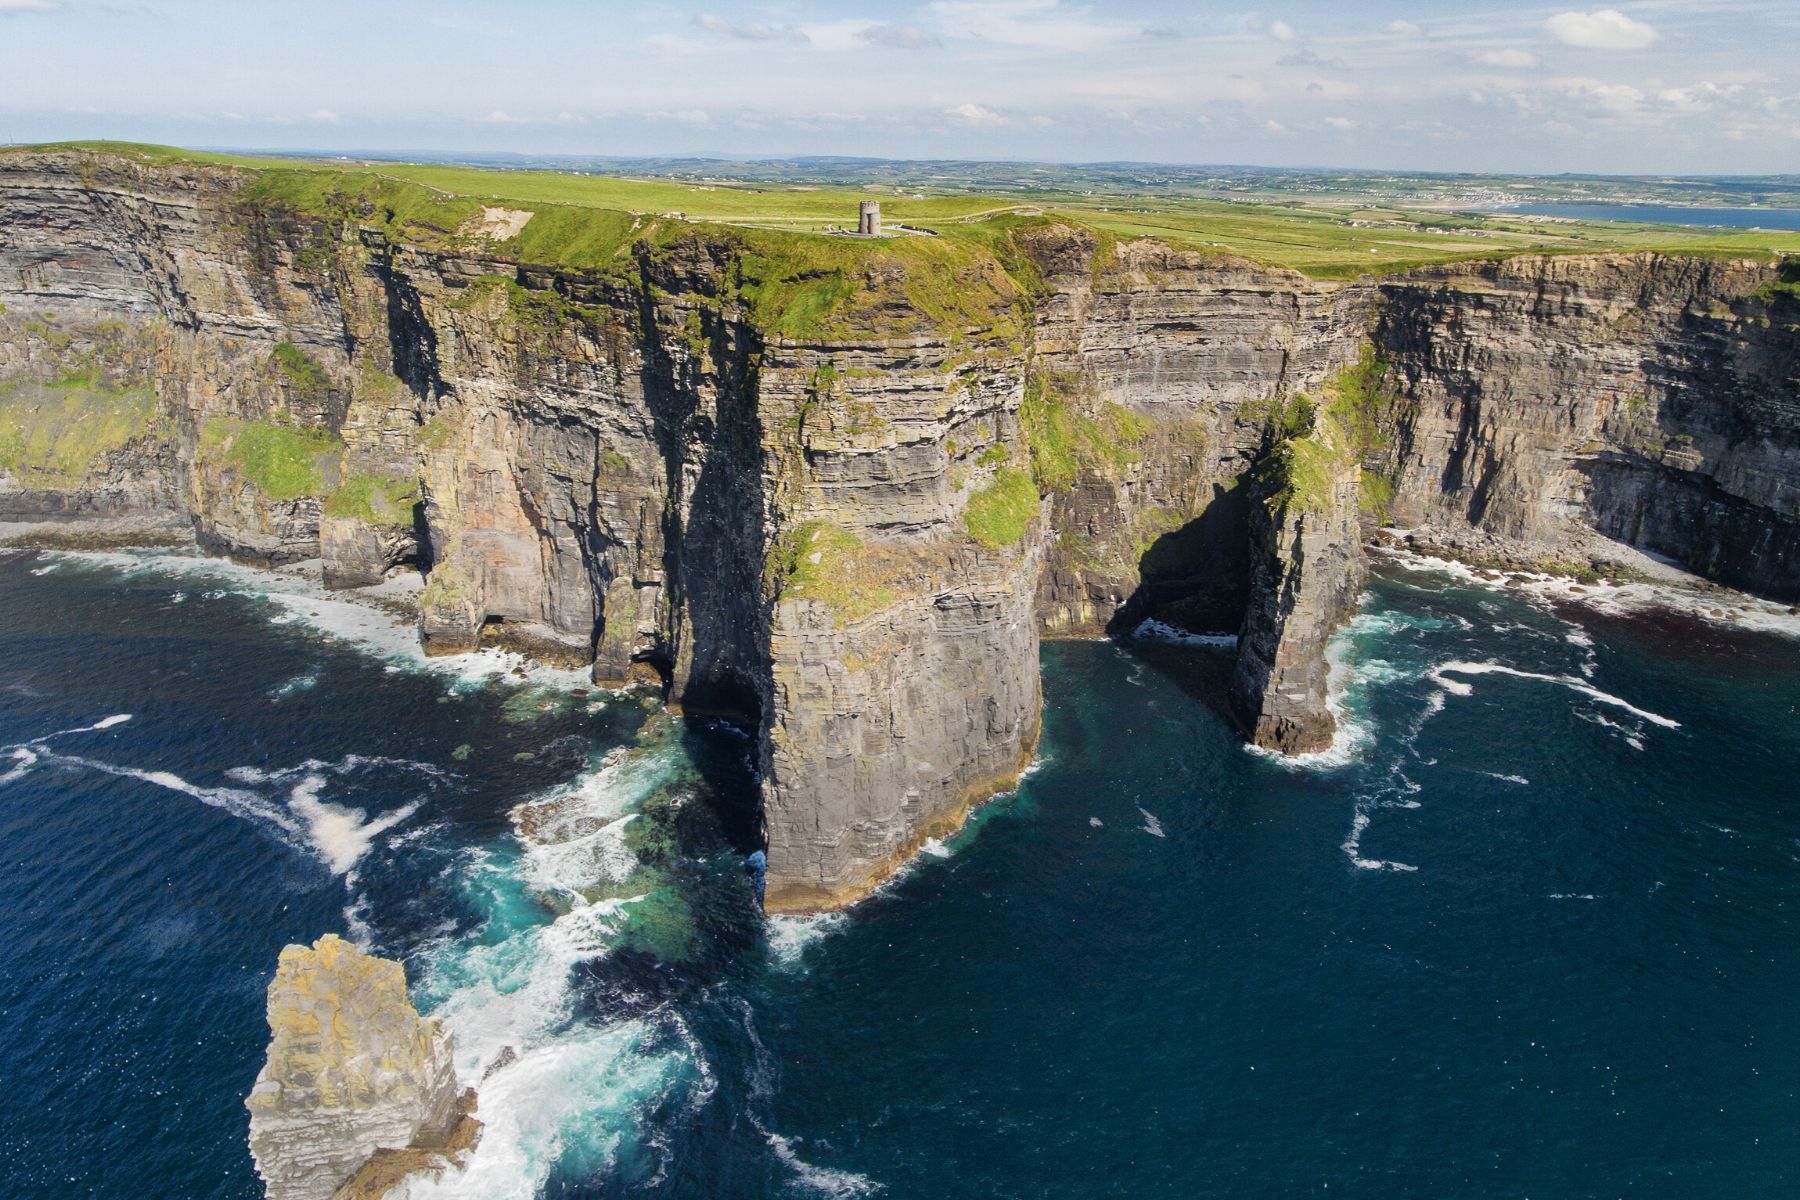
<point x="868" y="219"/>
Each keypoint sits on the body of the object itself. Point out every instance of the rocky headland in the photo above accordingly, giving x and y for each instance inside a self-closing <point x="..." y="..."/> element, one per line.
<point x="359" y="1091"/>
<point x="836" y="490"/>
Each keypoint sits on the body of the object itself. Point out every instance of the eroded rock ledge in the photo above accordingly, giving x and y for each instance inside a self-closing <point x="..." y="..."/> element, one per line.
<point x="359" y="1091"/>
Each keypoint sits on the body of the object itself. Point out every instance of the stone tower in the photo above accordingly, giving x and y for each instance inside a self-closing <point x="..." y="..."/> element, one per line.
<point x="868" y="219"/>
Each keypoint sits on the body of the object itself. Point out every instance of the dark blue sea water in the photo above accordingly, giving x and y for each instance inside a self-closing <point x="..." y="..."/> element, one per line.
<point x="1664" y="214"/>
<point x="1531" y="932"/>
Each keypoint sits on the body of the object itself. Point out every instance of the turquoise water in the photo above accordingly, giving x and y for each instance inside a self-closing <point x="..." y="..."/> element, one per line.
<point x="1529" y="933"/>
<point x="1664" y="214"/>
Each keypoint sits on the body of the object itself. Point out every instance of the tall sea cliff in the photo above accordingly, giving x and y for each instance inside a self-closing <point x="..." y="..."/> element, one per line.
<point x="836" y="490"/>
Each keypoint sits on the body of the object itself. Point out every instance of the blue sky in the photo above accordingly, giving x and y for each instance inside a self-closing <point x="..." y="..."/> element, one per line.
<point x="1655" y="86"/>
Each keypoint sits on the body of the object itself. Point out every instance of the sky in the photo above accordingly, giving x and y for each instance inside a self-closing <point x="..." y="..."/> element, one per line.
<point x="1657" y="86"/>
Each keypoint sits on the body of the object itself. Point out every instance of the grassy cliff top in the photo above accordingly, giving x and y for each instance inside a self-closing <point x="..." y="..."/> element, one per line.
<point x="588" y="221"/>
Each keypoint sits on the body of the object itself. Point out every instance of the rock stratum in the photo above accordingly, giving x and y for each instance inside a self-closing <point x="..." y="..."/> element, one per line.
<point x="837" y="490"/>
<point x="359" y="1091"/>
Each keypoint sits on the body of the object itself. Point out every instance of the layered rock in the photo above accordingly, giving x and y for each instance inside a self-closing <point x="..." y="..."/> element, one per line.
<point x="358" y="1091"/>
<point x="1648" y="398"/>
<point x="847" y="535"/>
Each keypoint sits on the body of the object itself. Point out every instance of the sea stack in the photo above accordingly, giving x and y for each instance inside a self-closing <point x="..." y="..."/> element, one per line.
<point x="359" y="1091"/>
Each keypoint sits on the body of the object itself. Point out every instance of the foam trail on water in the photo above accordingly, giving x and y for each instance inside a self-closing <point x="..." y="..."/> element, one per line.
<point x="340" y="835"/>
<point x="1574" y="684"/>
<point x="239" y="802"/>
<point x="820" y="1181"/>
<point x="1352" y="847"/>
<point x="1151" y="825"/>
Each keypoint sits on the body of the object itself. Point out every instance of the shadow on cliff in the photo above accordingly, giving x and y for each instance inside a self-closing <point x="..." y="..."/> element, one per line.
<point x="714" y="628"/>
<point x="1196" y="577"/>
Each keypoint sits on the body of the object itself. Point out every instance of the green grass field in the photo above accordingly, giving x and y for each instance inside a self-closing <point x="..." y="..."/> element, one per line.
<point x="589" y="221"/>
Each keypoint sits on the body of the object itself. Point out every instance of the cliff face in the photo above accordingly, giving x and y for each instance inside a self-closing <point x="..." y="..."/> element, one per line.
<point x="1648" y="398"/>
<point x="847" y="535"/>
<point x="357" y="1086"/>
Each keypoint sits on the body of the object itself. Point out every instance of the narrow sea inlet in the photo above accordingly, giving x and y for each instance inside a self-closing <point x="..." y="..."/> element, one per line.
<point x="1527" y="930"/>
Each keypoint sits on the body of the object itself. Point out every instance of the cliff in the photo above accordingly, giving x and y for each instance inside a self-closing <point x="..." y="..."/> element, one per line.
<point x="835" y="489"/>
<point x="359" y="1091"/>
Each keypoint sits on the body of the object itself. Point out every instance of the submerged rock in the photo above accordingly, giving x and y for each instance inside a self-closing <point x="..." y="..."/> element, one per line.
<point x="359" y="1091"/>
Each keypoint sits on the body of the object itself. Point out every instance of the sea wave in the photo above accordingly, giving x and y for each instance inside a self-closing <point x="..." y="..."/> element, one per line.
<point x="1440" y="674"/>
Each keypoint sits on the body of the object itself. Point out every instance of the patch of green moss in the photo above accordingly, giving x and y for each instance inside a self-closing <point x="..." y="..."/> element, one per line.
<point x="285" y="462"/>
<point x="379" y="499"/>
<point x="1063" y="439"/>
<point x="1377" y="495"/>
<point x="999" y="513"/>
<point x="817" y="560"/>
<point x="447" y="586"/>
<point x="1310" y="452"/>
<point x="53" y="434"/>
<point x="1785" y="285"/>
<point x="306" y="380"/>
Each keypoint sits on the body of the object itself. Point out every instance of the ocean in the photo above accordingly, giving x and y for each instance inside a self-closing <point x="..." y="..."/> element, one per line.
<point x="1528" y="930"/>
<point x="1662" y="214"/>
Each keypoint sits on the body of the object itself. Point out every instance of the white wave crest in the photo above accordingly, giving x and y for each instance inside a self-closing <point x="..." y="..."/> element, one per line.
<point x="1439" y="673"/>
<point x="1156" y="631"/>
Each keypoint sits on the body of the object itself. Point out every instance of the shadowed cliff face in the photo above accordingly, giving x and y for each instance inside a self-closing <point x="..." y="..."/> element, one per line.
<point x="849" y="543"/>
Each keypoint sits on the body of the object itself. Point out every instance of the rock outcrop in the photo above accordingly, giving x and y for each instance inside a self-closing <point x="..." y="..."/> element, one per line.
<point x="840" y="502"/>
<point x="359" y="1091"/>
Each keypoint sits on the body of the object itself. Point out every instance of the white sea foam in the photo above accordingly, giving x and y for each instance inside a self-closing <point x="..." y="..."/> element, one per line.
<point x="1630" y="736"/>
<point x="1156" y="631"/>
<point x="1096" y="822"/>
<point x="791" y="937"/>
<point x="1151" y="825"/>
<point x="817" y="1180"/>
<point x="1440" y="672"/>
<point x="297" y="594"/>
<point x="239" y="802"/>
<point x="341" y="835"/>
<point x="299" y="683"/>
<point x="1352" y="847"/>
<point x="1518" y="779"/>
<point x="1673" y="591"/>
<point x="24" y="758"/>
<point x="935" y="848"/>
<point x="554" y="1086"/>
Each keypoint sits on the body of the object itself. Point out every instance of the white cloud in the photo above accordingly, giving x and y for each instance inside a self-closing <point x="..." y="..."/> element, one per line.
<point x="1519" y="59"/>
<point x="1344" y="123"/>
<point x="24" y="6"/>
<point x="900" y="37"/>
<point x="502" y="117"/>
<point x="1605" y="29"/>
<point x="1281" y="31"/>
<point x="748" y="31"/>
<point x="975" y="116"/>
<point x="1032" y="24"/>
<point x="1275" y="127"/>
<point x="1404" y="29"/>
<point x="325" y="115"/>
